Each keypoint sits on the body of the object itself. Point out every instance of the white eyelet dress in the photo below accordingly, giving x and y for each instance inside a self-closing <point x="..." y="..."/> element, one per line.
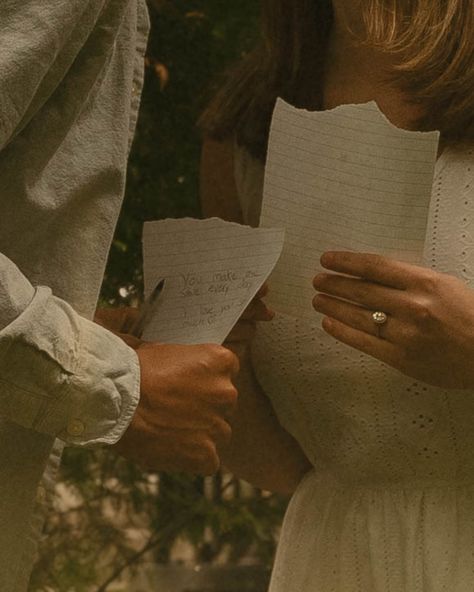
<point x="389" y="505"/>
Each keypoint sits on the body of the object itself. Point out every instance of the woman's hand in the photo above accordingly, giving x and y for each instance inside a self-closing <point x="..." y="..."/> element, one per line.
<point x="429" y="332"/>
<point x="257" y="310"/>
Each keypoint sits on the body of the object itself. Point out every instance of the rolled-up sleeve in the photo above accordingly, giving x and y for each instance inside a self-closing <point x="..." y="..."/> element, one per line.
<point x="33" y="35"/>
<point x="61" y="374"/>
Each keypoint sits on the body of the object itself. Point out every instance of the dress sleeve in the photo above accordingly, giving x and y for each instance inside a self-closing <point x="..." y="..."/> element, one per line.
<point x="60" y="374"/>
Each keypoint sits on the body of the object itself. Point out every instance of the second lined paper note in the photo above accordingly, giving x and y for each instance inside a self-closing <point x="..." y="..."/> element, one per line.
<point x="212" y="270"/>
<point x="344" y="179"/>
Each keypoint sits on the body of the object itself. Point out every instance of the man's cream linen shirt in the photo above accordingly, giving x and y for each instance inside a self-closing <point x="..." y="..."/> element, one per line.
<point x="71" y="73"/>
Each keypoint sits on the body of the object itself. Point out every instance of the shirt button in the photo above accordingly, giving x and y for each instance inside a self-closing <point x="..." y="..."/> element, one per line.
<point x="75" y="427"/>
<point x="135" y="90"/>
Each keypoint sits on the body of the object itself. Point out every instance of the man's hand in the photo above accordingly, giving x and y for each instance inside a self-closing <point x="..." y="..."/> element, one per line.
<point x="114" y="319"/>
<point x="187" y="400"/>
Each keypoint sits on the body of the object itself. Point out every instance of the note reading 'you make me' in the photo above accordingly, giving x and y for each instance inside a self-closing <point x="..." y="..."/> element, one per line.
<point x="212" y="270"/>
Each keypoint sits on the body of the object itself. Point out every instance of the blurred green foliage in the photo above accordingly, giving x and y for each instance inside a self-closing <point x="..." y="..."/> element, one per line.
<point x="192" y="44"/>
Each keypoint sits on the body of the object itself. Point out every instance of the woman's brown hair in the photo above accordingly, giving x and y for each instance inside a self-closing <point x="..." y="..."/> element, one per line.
<point x="433" y="41"/>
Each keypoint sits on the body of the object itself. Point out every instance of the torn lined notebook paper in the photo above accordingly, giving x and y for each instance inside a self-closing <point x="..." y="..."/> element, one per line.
<point x="344" y="179"/>
<point x="212" y="270"/>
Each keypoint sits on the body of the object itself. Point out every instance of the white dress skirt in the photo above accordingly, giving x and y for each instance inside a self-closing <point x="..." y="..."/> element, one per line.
<point x="389" y="504"/>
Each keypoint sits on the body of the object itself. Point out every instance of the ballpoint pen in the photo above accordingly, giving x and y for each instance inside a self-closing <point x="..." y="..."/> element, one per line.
<point x="145" y="313"/>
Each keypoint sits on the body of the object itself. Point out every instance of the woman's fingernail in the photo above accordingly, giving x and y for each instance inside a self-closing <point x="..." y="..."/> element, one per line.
<point x="326" y="259"/>
<point x="327" y="323"/>
<point x="319" y="279"/>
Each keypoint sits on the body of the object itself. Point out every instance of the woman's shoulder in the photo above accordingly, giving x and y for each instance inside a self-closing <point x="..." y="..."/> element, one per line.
<point x="457" y="162"/>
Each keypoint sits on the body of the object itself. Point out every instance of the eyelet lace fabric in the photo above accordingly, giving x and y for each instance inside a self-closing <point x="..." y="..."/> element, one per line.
<point x="389" y="505"/>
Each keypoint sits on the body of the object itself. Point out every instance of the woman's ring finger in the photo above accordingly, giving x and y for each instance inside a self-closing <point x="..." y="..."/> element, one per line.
<point x="379" y="318"/>
<point x="353" y="315"/>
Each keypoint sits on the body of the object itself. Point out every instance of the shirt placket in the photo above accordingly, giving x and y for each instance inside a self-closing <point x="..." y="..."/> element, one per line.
<point x="143" y="27"/>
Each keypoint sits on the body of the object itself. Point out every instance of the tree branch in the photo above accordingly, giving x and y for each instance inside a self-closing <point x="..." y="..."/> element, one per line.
<point x="167" y="532"/>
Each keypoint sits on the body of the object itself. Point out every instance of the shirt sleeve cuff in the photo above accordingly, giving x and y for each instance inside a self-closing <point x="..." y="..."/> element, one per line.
<point x="104" y="392"/>
<point x="66" y="376"/>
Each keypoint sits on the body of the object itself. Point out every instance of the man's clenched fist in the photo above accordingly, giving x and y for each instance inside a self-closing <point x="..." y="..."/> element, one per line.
<point x="187" y="399"/>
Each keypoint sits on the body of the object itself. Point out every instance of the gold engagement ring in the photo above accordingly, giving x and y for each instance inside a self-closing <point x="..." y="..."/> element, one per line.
<point x="379" y="318"/>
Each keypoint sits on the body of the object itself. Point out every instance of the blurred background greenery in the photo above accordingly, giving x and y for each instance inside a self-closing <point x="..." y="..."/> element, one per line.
<point x="112" y="519"/>
<point x="192" y="44"/>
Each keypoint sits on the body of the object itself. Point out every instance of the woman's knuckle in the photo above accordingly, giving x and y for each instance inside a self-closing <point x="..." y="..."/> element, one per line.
<point x="375" y="261"/>
<point x="430" y="282"/>
<point x="422" y="312"/>
<point x="371" y="263"/>
<point x="413" y="341"/>
<point x="359" y="290"/>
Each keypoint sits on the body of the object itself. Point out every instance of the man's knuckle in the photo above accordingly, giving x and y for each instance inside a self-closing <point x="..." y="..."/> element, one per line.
<point x="210" y="351"/>
<point x="227" y="357"/>
<point x="208" y="357"/>
<point x="226" y="433"/>
<point x="202" y="451"/>
<point x="230" y="394"/>
<point x="208" y="459"/>
<point x="224" y="393"/>
<point x="219" y="355"/>
<point x="215" y="426"/>
<point x="220" y="431"/>
<point x="211" y="467"/>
